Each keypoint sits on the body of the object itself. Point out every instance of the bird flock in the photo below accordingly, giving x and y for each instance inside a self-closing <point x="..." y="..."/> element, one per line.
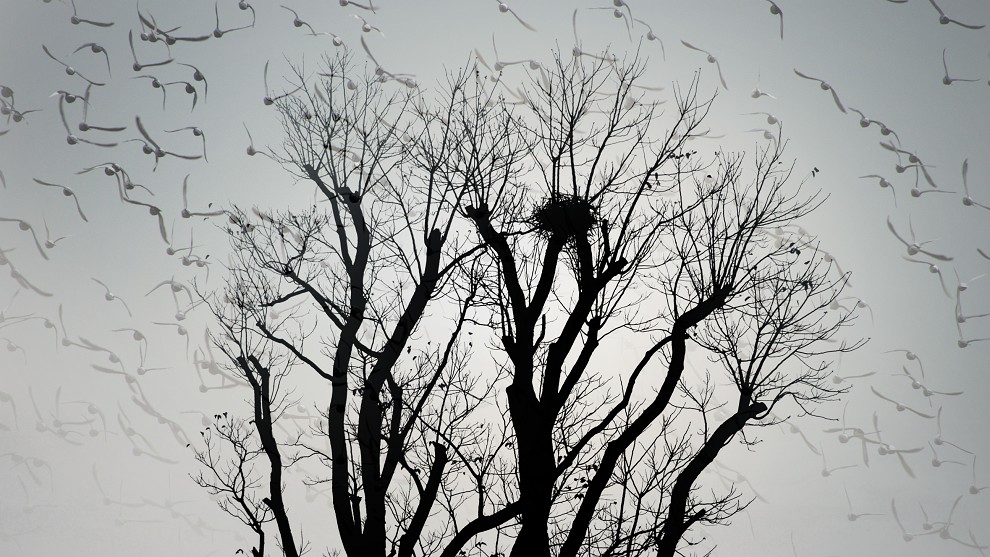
<point x="113" y="230"/>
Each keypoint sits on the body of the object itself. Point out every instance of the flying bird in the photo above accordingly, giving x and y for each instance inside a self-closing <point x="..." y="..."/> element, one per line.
<point x="504" y="8"/>
<point x="96" y="49"/>
<point x="946" y="80"/>
<point x="69" y="70"/>
<point x="67" y="192"/>
<point x="711" y="60"/>
<point x="899" y="406"/>
<point x="76" y="20"/>
<point x="775" y="10"/>
<point x="914" y="247"/>
<point x="825" y="87"/>
<point x="945" y="20"/>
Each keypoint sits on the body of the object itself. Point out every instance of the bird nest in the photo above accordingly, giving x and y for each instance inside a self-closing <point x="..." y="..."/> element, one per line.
<point x="565" y="216"/>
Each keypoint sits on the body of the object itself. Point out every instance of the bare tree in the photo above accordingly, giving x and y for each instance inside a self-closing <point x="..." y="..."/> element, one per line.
<point x="233" y="479"/>
<point x="580" y="242"/>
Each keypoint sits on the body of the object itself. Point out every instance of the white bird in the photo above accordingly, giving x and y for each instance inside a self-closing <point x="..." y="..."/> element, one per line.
<point x="938" y="462"/>
<point x="887" y="449"/>
<point x="914" y="247"/>
<point x="76" y="20"/>
<point x="69" y="70"/>
<point x="962" y="317"/>
<point x="933" y="269"/>
<point x="865" y="122"/>
<point x="619" y="14"/>
<point x="219" y="33"/>
<point x="137" y="66"/>
<point x="825" y="87"/>
<point x="96" y="49"/>
<point x="16" y="115"/>
<point x="795" y="430"/>
<point x="775" y="10"/>
<point x="851" y="516"/>
<point x="900" y="407"/>
<point x="943" y="531"/>
<point x="904" y="533"/>
<point x="967" y="200"/>
<point x="13" y="347"/>
<point x="927" y="525"/>
<point x="504" y="8"/>
<point x="370" y="7"/>
<point x="771" y="119"/>
<point x="939" y="440"/>
<point x="148" y="23"/>
<point x="973" y="544"/>
<point x="964" y="343"/>
<point x="189" y="88"/>
<point x="110" y="296"/>
<point x="651" y="36"/>
<point x="711" y="60"/>
<point x="66" y="341"/>
<point x="180" y="330"/>
<point x="151" y="147"/>
<point x="70" y="137"/>
<point x="186" y="213"/>
<point x="910" y="355"/>
<point x="945" y="20"/>
<point x="176" y="287"/>
<point x="26" y="227"/>
<point x="767" y="134"/>
<point x="268" y="99"/>
<point x="916" y="192"/>
<point x="757" y="93"/>
<point x="67" y="192"/>
<point x="367" y="27"/>
<point x="946" y="80"/>
<point x="85" y="126"/>
<point x="973" y="488"/>
<point x="884" y="183"/>
<point x="155" y="212"/>
<point x="136" y="450"/>
<point x="925" y="389"/>
<point x="297" y="22"/>
<point x="93" y="347"/>
<point x="336" y="39"/>
<point x="379" y="70"/>
<point x="251" y="151"/>
<point x="156" y="84"/>
<point x="197" y="132"/>
<point x="198" y="76"/>
<point x="915" y="161"/>
<point x="137" y="335"/>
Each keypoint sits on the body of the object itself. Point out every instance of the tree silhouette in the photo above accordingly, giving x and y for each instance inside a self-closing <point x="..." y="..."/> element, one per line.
<point x="492" y="300"/>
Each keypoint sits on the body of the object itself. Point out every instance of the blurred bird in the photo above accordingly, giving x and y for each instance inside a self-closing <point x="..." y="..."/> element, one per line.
<point x="825" y="87"/>
<point x="711" y="60"/>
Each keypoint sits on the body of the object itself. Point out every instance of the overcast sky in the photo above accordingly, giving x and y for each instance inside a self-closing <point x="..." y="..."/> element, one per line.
<point x="884" y="58"/>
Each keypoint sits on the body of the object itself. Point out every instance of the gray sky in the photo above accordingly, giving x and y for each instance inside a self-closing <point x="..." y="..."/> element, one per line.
<point x="881" y="57"/>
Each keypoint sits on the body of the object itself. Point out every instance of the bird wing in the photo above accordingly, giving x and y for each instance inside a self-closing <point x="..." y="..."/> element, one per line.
<point x="720" y="78"/>
<point x="519" y="19"/>
<point x="904" y="464"/>
<point x="890" y="226"/>
<point x="835" y="97"/>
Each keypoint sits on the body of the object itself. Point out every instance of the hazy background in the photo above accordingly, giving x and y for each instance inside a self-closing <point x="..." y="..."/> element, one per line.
<point x="881" y="57"/>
